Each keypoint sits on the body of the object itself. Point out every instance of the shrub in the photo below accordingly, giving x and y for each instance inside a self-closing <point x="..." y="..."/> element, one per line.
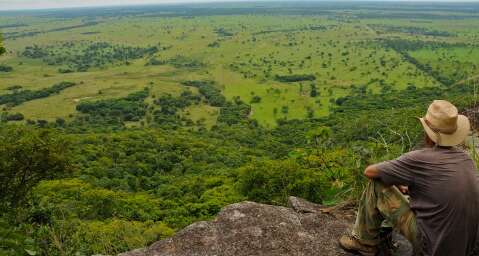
<point x="295" y="78"/>
<point x="274" y="181"/>
<point x="4" y="68"/>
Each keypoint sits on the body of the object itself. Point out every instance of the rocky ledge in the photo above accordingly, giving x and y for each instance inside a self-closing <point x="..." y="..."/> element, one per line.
<point x="248" y="228"/>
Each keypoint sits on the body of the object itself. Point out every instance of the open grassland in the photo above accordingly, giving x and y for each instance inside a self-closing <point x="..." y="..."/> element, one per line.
<point x="243" y="53"/>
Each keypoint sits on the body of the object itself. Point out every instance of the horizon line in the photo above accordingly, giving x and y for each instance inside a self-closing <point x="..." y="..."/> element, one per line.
<point x="189" y="2"/>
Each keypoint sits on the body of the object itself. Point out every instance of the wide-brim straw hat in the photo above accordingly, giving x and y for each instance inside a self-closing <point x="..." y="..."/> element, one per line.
<point x="444" y="125"/>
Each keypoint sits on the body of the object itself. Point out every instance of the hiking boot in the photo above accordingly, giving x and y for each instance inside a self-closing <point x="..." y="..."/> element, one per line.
<point x="350" y="243"/>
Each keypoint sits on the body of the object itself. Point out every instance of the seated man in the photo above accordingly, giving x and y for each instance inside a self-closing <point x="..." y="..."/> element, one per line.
<point x="442" y="216"/>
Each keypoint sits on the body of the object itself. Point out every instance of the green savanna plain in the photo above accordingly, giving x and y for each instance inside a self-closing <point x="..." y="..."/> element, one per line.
<point x="243" y="53"/>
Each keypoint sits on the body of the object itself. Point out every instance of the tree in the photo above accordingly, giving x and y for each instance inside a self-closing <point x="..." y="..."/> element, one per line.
<point x="2" y="49"/>
<point x="314" y="91"/>
<point x="27" y="156"/>
<point x="256" y="99"/>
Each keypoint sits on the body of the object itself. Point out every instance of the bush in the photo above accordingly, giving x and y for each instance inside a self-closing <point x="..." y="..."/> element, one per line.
<point x="65" y="70"/>
<point x="255" y="99"/>
<point x="274" y="181"/>
<point x="209" y="91"/>
<point x="4" y="68"/>
<point x="108" y="237"/>
<point x="130" y="108"/>
<point x="295" y="78"/>
<point x="14" y="117"/>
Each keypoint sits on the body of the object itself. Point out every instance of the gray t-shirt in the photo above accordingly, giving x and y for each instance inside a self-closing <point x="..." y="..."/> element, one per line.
<point x="444" y="195"/>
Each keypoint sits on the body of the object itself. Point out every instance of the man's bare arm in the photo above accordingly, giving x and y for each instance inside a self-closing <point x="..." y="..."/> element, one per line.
<point x="371" y="172"/>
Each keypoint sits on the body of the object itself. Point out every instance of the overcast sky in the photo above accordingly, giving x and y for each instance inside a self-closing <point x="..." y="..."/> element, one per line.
<point x="40" y="4"/>
<point x="45" y="4"/>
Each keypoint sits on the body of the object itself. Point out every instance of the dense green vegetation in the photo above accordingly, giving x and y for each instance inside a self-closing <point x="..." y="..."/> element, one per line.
<point x="172" y="112"/>
<point x="209" y="91"/>
<point x="295" y="78"/>
<point x="86" y="55"/>
<point x="115" y="111"/>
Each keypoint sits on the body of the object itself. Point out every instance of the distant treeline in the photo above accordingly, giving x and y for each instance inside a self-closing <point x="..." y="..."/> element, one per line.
<point x="16" y="25"/>
<point x="411" y="30"/>
<point x="317" y="27"/>
<point x="401" y="45"/>
<point x="14" y="35"/>
<point x="223" y="32"/>
<point x="178" y="61"/>
<point x="19" y="97"/>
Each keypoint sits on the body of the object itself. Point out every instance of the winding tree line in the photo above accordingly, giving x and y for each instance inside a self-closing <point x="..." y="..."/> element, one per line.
<point x="20" y="96"/>
<point x="403" y="46"/>
<point x="14" y="35"/>
<point x="411" y="30"/>
<point x="81" y="57"/>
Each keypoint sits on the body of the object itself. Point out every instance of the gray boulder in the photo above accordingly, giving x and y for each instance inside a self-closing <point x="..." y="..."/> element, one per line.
<point x="249" y="228"/>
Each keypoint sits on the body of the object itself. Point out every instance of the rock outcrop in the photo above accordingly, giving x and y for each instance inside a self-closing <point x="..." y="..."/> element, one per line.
<point x="248" y="228"/>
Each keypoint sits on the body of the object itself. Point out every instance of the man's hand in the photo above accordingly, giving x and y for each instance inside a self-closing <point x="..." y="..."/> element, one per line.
<point x="403" y="189"/>
<point x="371" y="172"/>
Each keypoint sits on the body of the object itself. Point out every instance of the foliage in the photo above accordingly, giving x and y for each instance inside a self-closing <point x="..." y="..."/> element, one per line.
<point x="274" y="181"/>
<point x="5" y="117"/>
<point x="234" y="112"/>
<point x="28" y="156"/>
<point x="295" y="78"/>
<point x="86" y="55"/>
<point x="4" y="68"/>
<point x="209" y="91"/>
<point x="115" y="111"/>
<point x="13" y="241"/>
<point x="2" y="49"/>
<point x="255" y="99"/>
